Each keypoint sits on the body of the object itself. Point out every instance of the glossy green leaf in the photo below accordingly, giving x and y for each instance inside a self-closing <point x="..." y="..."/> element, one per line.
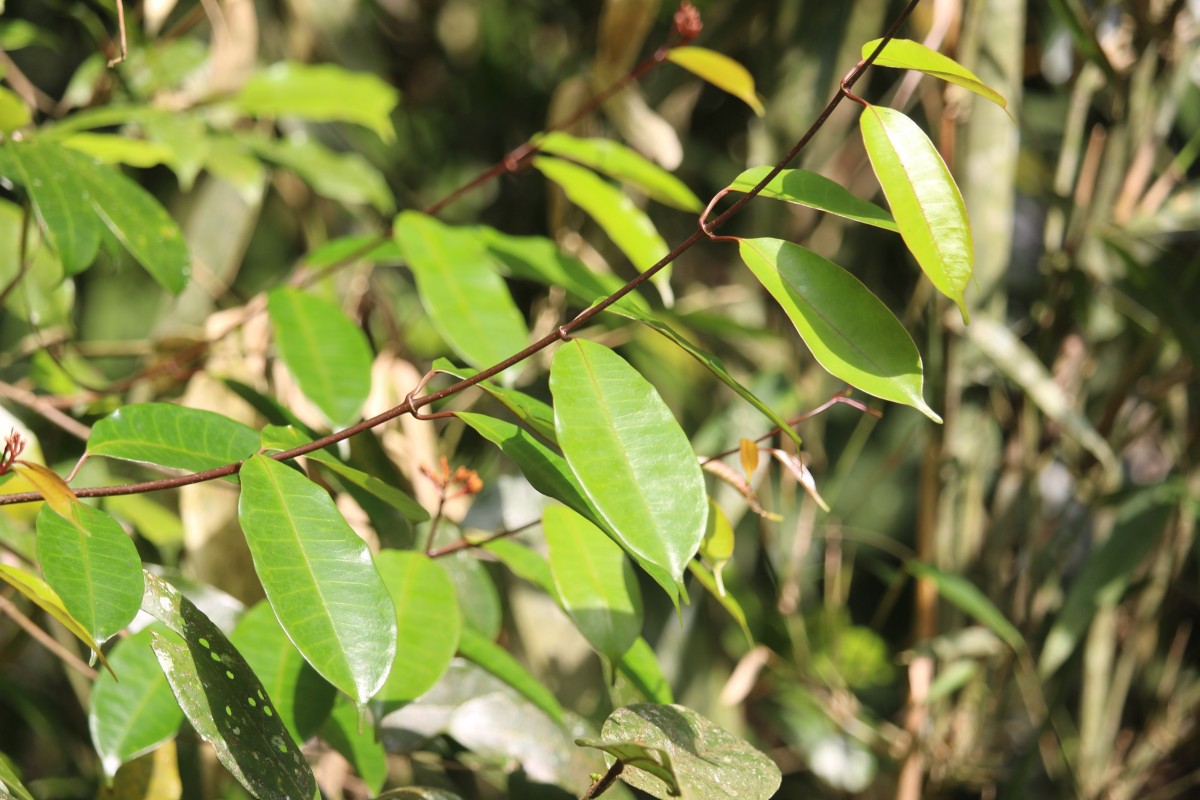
<point x="10" y="781"/>
<point x="478" y="599"/>
<point x="809" y="189"/>
<point x="595" y="582"/>
<point x="496" y="660"/>
<point x="13" y="111"/>
<point x="924" y="198"/>
<point x="92" y="564"/>
<point x="640" y="756"/>
<point x="1104" y="577"/>
<point x="850" y="332"/>
<point x="633" y="461"/>
<point x="730" y="603"/>
<point x="525" y="563"/>
<point x="302" y="697"/>
<point x="428" y="621"/>
<point x="721" y="71"/>
<point x="640" y="666"/>
<point x="328" y="355"/>
<point x="968" y="598"/>
<point x="715" y="366"/>
<point x="224" y="700"/>
<point x="112" y="148"/>
<point x="467" y="301"/>
<point x="533" y="413"/>
<point x="323" y="93"/>
<point x="708" y="760"/>
<point x="59" y="200"/>
<point x="346" y="177"/>
<point x="626" y="224"/>
<point x="907" y="54"/>
<point x="172" y="436"/>
<point x="318" y="576"/>
<point x="358" y="745"/>
<point x="133" y="717"/>
<point x="279" y="438"/>
<point x="38" y="591"/>
<point x="620" y="162"/>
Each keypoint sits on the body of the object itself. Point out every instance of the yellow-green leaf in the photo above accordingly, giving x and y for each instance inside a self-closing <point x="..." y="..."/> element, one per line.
<point x="48" y="600"/>
<point x="721" y="71"/>
<point x="907" y="54"/>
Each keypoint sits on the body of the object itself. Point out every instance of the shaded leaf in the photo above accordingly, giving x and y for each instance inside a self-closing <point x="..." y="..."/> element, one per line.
<point x="478" y="598"/>
<point x="496" y="660"/>
<point x="717" y="547"/>
<point x="640" y="666"/>
<point x="634" y="463"/>
<point x="620" y="162"/>
<point x="172" y="436"/>
<point x="48" y="600"/>
<point x="322" y="92"/>
<point x="327" y="353"/>
<point x="356" y="743"/>
<point x="53" y="489"/>
<point x="318" y="576"/>
<point x="595" y="582"/>
<point x="93" y="566"/>
<point x="907" y="54"/>
<point x="525" y="563"/>
<point x="634" y="754"/>
<point x="133" y="717"/>
<point x="924" y="199"/>
<point x="968" y="598"/>
<point x="721" y="71"/>
<point x="466" y="300"/>
<point x="850" y="332"/>
<point x="814" y="191"/>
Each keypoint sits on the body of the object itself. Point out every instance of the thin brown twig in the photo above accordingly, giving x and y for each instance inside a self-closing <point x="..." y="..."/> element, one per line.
<point x="554" y="336"/>
<point x="45" y="639"/>
<point x="38" y="405"/>
<point x="469" y="544"/>
<point x="122" y="44"/>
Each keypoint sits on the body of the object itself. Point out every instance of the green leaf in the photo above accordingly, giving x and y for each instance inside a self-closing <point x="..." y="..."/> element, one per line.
<point x="717" y="589"/>
<point x="719" y="70"/>
<point x="302" y="697"/>
<point x="345" y="177"/>
<point x="626" y="224"/>
<point x="59" y="201"/>
<point x="13" y="111"/>
<point x="924" y="198"/>
<point x="224" y="700"/>
<point x="708" y="760"/>
<point x="428" y="622"/>
<point x="640" y="666"/>
<point x="94" y="567"/>
<point x="467" y="301"/>
<point x="907" y="54"/>
<point x="595" y="582"/>
<point x="533" y="413"/>
<point x="38" y="591"/>
<point x="496" y="660"/>
<point x="172" y="436"/>
<point x="328" y="355"/>
<point x="525" y="563"/>
<point x="633" y="461"/>
<point x="620" y="162"/>
<point x="357" y="743"/>
<point x="10" y="779"/>
<point x="476" y="592"/>
<point x="279" y="438"/>
<point x="318" y="576"/>
<point x="850" y="332"/>
<point x="637" y="755"/>
<point x="809" y="189"/>
<point x="111" y="148"/>
<point x="133" y="717"/>
<point x="418" y="793"/>
<point x="154" y="522"/>
<point x="717" y="547"/>
<point x="967" y="597"/>
<point x="1104" y="578"/>
<point x="323" y="93"/>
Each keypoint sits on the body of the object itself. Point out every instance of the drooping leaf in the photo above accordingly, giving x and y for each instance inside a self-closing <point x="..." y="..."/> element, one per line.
<point x="302" y="697"/>
<point x="620" y="162"/>
<point x="721" y="71"/>
<point x="850" y="332"/>
<point x="907" y="54"/>
<point x="466" y="300"/>
<point x="323" y="92"/>
<point x="717" y="589"/>
<point x="328" y="355"/>
<point x="532" y="412"/>
<point x="92" y="564"/>
<point x="626" y="224"/>
<point x="924" y="199"/>
<point x="707" y="760"/>
<point x="318" y="576"/>
<point x="640" y="666"/>
<point x="53" y="489"/>
<point x="172" y="436"/>
<point x="969" y="599"/>
<point x="632" y="460"/>
<point x="357" y="744"/>
<point x="595" y="582"/>
<point x="48" y="600"/>
<point x="496" y="660"/>
<point x="428" y="621"/>
<point x="133" y="717"/>
<point x="814" y="191"/>
<point x="224" y="700"/>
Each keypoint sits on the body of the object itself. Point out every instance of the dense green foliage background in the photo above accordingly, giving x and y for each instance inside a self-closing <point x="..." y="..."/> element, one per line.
<point x="998" y="606"/>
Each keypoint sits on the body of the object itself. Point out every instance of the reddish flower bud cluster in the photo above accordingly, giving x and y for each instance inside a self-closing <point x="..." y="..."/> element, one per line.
<point x="467" y="479"/>
<point x="13" y="445"/>
<point x="687" y="22"/>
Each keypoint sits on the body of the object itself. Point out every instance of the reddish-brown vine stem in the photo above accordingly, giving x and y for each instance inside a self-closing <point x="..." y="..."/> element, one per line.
<point x="408" y="406"/>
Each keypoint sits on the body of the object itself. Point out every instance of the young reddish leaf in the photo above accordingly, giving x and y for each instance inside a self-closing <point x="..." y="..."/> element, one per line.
<point x="907" y="54"/>
<point x="54" y="489"/>
<point x="721" y="71"/>
<point x="924" y="199"/>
